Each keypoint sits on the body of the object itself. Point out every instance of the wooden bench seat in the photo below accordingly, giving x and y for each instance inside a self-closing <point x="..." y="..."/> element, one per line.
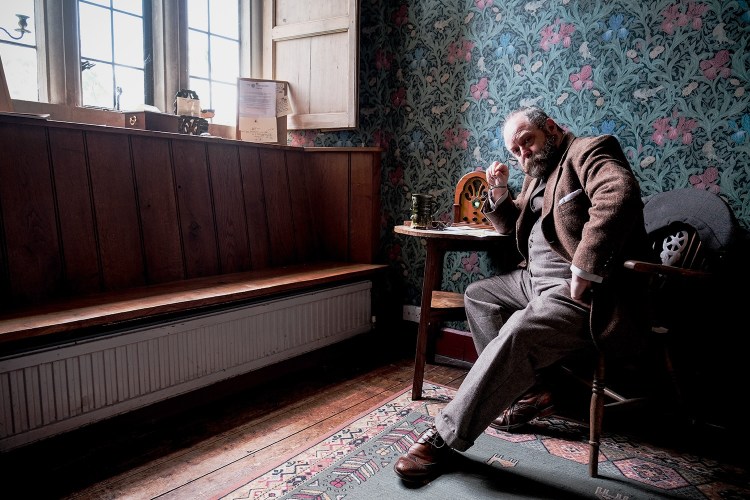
<point x="139" y="265"/>
<point x="174" y="297"/>
<point x="101" y="224"/>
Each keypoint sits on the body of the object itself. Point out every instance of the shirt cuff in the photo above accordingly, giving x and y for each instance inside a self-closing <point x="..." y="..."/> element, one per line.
<point x="493" y="204"/>
<point x="587" y="276"/>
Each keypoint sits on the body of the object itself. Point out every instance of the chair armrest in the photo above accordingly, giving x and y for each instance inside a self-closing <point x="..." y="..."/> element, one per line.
<point x="641" y="266"/>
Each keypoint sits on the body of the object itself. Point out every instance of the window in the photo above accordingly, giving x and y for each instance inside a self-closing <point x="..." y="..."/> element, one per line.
<point x="18" y="49"/>
<point x="112" y="53"/>
<point x="214" y="55"/>
<point x="126" y="53"/>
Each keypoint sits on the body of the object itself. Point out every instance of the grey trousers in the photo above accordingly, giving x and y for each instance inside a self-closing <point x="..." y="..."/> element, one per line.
<point x="519" y="325"/>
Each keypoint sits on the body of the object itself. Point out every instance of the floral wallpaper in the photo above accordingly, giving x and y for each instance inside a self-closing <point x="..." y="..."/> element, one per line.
<point x="669" y="78"/>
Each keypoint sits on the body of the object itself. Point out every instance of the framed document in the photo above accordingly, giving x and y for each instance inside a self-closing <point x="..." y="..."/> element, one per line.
<point x="262" y="106"/>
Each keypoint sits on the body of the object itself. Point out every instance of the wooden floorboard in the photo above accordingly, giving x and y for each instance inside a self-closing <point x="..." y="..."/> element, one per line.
<point x="202" y="444"/>
<point x="196" y="448"/>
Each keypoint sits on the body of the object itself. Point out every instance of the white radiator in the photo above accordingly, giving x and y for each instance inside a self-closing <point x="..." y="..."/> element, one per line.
<point x="47" y="392"/>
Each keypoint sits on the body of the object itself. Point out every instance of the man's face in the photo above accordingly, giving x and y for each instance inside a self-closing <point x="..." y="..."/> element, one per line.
<point x="534" y="148"/>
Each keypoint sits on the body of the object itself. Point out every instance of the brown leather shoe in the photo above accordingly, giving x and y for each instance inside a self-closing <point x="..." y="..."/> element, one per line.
<point x="536" y="403"/>
<point x="426" y="458"/>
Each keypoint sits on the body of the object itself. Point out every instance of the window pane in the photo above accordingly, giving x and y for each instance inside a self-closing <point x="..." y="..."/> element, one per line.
<point x="225" y="103"/>
<point x="19" y="66"/>
<point x="225" y="60"/>
<point x="198" y="54"/>
<point x="96" y="33"/>
<point x="214" y="57"/>
<point x="132" y="6"/>
<point x="198" y="14"/>
<point x="9" y="21"/>
<point x="225" y="18"/>
<point x="105" y="3"/>
<point x="98" y="89"/>
<point x="131" y="83"/>
<point x="128" y="40"/>
<point x="110" y="36"/>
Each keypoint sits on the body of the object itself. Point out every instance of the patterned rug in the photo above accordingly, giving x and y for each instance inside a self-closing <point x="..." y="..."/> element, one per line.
<point x="356" y="462"/>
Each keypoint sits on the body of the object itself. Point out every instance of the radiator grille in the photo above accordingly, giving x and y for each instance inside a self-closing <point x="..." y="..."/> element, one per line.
<point x="52" y="391"/>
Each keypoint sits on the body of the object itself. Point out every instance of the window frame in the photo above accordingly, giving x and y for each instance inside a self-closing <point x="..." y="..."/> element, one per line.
<point x="58" y="55"/>
<point x="56" y="24"/>
<point x="116" y="63"/>
<point x="208" y="82"/>
<point x="8" y="39"/>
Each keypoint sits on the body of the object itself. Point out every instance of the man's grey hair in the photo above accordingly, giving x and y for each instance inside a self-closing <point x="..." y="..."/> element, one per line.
<point x="536" y="116"/>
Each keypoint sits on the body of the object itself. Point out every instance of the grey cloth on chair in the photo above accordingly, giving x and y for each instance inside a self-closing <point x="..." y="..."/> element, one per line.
<point x="706" y="212"/>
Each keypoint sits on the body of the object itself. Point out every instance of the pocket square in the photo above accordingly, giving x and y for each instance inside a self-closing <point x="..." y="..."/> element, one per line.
<point x="569" y="196"/>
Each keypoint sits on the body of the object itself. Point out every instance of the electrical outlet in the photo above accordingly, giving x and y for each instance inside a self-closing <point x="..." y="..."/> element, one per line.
<point x="412" y="313"/>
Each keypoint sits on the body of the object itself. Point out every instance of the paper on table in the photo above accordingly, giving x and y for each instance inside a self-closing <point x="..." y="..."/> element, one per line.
<point x="467" y="229"/>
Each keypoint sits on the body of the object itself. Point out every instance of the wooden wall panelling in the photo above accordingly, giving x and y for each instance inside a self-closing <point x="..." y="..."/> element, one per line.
<point x="364" y="223"/>
<point x="28" y="211"/>
<point x="256" y="214"/>
<point x="87" y="208"/>
<point x="115" y="210"/>
<point x="229" y="209"/>
<point x="157" y="208"/>
<point x="75" y="211"/>
<point x="302" y="209"/>
<point x="329" y="174"/>
<point x="278" y="203"/>
<point x="195" y="208"/>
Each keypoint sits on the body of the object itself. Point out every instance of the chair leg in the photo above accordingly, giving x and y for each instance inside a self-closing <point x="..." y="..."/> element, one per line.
<point x="596" y="415"/>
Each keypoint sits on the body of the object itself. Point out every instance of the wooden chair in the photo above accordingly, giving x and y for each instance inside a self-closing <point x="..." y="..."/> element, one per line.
<point x="690" y="231"/>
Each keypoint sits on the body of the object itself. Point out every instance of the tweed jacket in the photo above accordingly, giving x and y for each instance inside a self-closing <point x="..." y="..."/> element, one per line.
<point x="592" y="215"/>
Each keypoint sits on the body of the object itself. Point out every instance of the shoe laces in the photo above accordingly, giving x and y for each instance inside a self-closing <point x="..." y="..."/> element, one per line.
<point x="431" y="436"/>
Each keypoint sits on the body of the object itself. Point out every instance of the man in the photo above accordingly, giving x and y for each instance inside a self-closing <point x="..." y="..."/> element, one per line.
<point x="578" y="216"/>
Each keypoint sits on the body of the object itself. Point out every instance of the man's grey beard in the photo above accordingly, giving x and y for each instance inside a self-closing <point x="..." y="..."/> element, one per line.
<point x="542" y="163"/>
